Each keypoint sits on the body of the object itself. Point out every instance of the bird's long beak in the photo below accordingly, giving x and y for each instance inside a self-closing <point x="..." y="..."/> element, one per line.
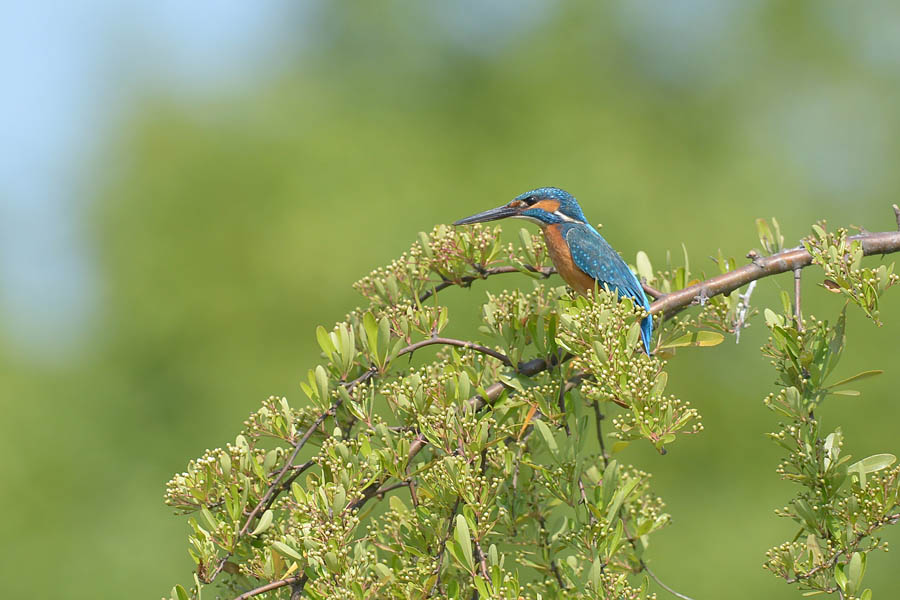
<point x="494" y="214"/>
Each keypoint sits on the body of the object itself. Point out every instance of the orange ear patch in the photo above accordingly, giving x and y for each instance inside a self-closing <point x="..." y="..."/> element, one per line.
<point x="547" y="205"/>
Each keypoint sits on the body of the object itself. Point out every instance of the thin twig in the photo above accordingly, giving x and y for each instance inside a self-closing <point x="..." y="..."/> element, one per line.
<point x="297" y="580"/>
<point x="651" y="291"/>
<point x="598" y="417"/>
<point x="897" y="214"/>
<point x="798" y="315"/>
<point x="661" y="584"/>
<point x="482" y="560"/>
<point x="743" y="310"/>
<point x="459" y="344"/>
<point x="485" y="273"/>
<point x="392" y="487"/>
<point x="545" y="544"/>
<point x="443" y="549"/>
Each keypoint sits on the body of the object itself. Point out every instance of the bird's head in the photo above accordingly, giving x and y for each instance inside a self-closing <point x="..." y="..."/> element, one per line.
<point x="544" y="206"/>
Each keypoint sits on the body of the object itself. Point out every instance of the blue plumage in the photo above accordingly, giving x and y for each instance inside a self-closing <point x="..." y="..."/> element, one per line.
<point x="577" y="249"/>
<point x="593" y="255"/>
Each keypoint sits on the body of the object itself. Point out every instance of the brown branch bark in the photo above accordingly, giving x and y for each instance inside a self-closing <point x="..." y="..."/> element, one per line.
<point x="297" y="580"/>
<point x="485" y="273"/>
<point x="788" y="260"/>
<point x="652" y="291"/>
<point x="443" y="550"/>
<point x="459" y="344"/>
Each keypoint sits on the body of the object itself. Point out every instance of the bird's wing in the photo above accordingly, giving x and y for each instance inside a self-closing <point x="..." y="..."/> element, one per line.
<point x="593" y="255"/>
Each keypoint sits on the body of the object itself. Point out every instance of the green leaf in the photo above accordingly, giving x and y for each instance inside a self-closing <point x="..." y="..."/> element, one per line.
<point x="765" y="235"/>
<point x="634" y="333"/>
<point x="331" y="561"/>
<point x="873" y="463"/>
<point x="285" y="550"/>
<point x="481" y="586"/>
<point x="659" y="386"/>
<point x="384" y="339"/>
<point x="324" y="341"/>
<point x="210" y="519"/>
<point x="600" y="351"/>
<point x="596" y="571"/>
<point x="269" y="460"/>
<point x="225" y="463"/>
<point x="383" y="571"/>
<point x="371" y="329"/>
<point x="856" y="570"/>
<point x="397" y="505"/>
<point x="265" y="521"/>
<point x="322" y="383"/>
<point x="547" y="435"/>
<point x="515" y="381"/>
<point x="340" y="500"/>
<point x="425" y="242"/>
<point x="696" y="338"/>
<point x="644" y="268"/>
<point x="862" y="375"/>
<point x="840" y="578"/>
<point x="465" y="541"/>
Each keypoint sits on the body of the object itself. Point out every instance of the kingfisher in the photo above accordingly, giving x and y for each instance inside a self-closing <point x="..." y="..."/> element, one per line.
<point x="580" y="254"/>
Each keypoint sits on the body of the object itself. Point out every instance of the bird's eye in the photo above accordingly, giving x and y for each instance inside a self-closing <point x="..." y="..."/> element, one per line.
<point x="530" y="200"/>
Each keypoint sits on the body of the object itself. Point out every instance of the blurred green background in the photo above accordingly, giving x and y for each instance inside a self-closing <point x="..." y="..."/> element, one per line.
<point x="229" y="169"/>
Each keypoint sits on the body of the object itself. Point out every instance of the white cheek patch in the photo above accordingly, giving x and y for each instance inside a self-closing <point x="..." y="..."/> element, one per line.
<point x="565" y="218"/>
<point x="532" y="219"/>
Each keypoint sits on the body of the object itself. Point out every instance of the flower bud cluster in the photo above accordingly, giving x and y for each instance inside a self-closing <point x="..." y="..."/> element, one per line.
<point x="841" y="259"/>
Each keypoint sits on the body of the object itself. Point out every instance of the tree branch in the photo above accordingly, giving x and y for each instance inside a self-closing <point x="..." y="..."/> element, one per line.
<point x="485" y="273"/>
<point x="459" y="344"/>
<point x="661" y="584"/>
<point x="886" y="242"/>
<point x="652" y="291"/>
<point x="788" y="260"/>
<point x="271" y="494"/>
<point x="297" y="580"/>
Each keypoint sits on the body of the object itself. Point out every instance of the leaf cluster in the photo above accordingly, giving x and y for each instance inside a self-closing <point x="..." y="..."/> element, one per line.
<point x="480" y="453"/>
<point x="842" y="504"/>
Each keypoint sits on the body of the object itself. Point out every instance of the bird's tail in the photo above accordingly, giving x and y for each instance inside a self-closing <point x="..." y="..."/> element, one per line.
<point x="647" y="332"/>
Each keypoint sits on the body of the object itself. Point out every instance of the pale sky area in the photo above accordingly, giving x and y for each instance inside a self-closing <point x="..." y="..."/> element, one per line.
<point x="71" y="70"/>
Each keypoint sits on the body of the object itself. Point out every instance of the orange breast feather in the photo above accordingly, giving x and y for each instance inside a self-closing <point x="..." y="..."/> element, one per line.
<point x="562" y="258"/>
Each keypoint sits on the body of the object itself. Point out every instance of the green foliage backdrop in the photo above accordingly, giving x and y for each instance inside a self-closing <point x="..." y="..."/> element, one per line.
<point x="226" y="229"/>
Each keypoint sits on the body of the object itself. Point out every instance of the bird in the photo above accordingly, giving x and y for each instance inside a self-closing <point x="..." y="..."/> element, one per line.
<point x="580" y="254"/>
